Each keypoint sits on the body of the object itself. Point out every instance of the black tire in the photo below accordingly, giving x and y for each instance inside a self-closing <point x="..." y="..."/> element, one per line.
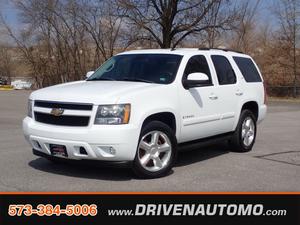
<point x="237" y="142"/>
<point x="154" y="126"/>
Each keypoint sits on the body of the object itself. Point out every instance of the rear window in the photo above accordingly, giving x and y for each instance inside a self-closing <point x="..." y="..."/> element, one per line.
<point x="248" y="69"/>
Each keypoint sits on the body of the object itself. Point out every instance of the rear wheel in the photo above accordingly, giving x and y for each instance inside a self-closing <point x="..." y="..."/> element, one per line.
<point x="244" y="136"/>
<point x="156" y="151"/>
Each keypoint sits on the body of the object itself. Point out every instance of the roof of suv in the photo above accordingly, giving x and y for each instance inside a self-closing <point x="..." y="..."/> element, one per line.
<point x="184" y="51"/>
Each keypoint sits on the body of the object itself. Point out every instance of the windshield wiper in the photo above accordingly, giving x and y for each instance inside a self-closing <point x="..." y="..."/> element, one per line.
<point x="136" y="79"/>
<point x="100" y="79"/>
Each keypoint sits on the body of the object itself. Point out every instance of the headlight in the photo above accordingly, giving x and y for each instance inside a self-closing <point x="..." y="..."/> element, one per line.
<point x="113" y="114"/>
<point x="29" y="111"/>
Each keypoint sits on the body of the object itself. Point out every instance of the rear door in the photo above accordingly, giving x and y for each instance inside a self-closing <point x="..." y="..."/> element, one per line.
<point x="229" y="92"/>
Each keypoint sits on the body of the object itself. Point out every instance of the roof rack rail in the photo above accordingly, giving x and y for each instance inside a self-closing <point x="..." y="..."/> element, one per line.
<point x="222" y="49"/>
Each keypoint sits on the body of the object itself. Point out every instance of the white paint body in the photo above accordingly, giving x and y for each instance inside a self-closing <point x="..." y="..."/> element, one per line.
<point x="214" y="109"/>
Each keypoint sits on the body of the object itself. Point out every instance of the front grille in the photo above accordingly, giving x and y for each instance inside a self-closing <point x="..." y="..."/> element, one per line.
<point x="74" y="121"/>
<point x="63" y="105"/>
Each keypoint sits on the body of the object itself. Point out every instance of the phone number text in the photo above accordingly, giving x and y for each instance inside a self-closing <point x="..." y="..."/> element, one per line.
<point x="53" y="210"/>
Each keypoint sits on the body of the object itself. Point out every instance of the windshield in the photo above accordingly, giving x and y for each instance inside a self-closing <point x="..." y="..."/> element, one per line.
<point x="152" y="68"/>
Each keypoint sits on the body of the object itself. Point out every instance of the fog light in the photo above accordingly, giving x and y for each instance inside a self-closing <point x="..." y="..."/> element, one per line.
<point x="107" y="151"/>
<point x="112" y="150"/>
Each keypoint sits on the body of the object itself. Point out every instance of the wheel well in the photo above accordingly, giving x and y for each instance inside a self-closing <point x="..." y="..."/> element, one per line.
<point x="252" y="106"/>
<point x="165" y="117"/>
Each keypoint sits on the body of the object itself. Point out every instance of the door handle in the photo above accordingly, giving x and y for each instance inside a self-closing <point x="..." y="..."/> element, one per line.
<point x="239" y="93"/>
<point x="213" y="97"/>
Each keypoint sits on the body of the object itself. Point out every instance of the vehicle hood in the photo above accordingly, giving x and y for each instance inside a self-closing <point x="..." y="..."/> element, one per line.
<point x="96" y="92"/>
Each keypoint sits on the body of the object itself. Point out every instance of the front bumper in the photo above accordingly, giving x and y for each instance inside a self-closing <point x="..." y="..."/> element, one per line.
<point x="101" y="142"/>
<point x="118" y="164"/>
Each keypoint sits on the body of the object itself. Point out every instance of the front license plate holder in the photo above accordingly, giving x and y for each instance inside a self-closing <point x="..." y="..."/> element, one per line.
<point x="58" y="150"/>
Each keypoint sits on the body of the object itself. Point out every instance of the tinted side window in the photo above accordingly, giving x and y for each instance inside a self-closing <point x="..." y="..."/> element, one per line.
<point x="248" y="69"/>
<point x="196" y="64"/>
<point x="224" y="70"/>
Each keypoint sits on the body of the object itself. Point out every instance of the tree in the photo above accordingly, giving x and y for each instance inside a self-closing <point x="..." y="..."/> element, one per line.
<point x="63" y="39"/>
<point x="169" y="22"/>
<point x="5" y="63"/>
<point x="104" y="26"/>
<point x="288" y="15"/>
<point x="243" y="35"/>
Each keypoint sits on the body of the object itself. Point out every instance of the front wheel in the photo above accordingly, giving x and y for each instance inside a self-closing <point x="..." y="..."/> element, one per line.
<point x="156" y="151"/>
<point x="244" y="136"/>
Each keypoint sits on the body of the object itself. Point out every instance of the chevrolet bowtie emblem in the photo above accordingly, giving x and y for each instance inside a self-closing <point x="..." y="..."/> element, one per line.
<point x="57" y="111"/>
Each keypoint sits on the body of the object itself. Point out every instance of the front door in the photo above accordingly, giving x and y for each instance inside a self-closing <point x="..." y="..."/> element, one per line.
<point x="200" y="114"/>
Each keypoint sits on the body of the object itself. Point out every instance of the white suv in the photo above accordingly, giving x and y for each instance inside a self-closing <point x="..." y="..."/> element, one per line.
<point x="139" y="105"/>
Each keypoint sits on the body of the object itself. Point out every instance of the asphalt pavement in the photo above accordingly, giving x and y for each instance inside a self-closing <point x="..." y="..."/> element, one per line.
<point x="272" y="165"/>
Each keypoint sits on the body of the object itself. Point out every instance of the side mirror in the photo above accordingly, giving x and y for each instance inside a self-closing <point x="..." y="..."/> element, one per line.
<point x="88" y="74"/>
<point x="196" y="80"/>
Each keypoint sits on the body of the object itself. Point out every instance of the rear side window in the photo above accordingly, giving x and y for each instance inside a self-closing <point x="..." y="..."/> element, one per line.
<point x="248" y="69"/>
<point x="224" y="70"/>
<point x="197" y="63"/>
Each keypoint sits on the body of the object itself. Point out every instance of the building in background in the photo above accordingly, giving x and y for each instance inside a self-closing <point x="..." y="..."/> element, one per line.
<point x="19" y="83"/>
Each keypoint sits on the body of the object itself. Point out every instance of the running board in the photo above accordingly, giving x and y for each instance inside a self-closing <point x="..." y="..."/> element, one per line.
<point x="191" y="145"/>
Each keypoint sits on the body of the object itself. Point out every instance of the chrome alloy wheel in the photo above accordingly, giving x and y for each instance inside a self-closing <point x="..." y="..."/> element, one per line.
<point x="154" y="151"/>
<point x="248" y="131"/>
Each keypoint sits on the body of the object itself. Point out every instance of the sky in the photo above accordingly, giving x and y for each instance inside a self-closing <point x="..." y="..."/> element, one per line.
<point x="11" y="14"/>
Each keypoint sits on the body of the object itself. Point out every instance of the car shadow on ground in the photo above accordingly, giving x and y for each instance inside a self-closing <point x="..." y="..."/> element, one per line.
<point x="185" y="157"/>
<point x="195" y="155"/>
<point x="82" y="170"/>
